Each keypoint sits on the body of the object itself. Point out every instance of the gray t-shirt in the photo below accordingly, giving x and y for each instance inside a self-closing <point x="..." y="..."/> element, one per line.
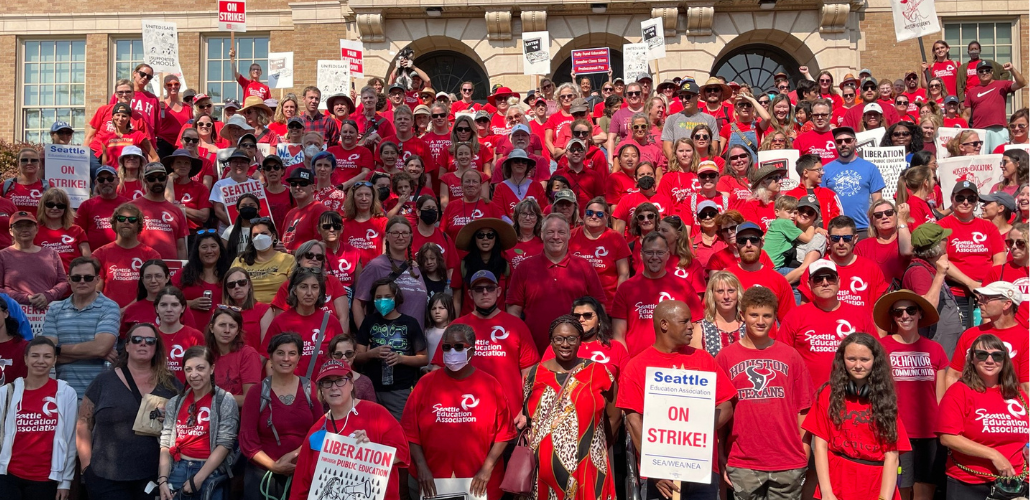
<point x="817" y="244"/>
<point x="679" y="125"/>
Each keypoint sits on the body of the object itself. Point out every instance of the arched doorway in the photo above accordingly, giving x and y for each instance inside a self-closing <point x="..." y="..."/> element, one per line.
<point x="755" y="64"/>
<point x="564" y="72"/>
<point x="447" y="69"/>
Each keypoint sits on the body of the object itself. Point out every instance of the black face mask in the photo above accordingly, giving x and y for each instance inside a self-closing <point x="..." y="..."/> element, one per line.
<point x="428" y="216"/>
<point x="248" y="212"/>
<point x="486" y="312"/>
<point x="383" y="192"/>
<point x="645" y="183"/>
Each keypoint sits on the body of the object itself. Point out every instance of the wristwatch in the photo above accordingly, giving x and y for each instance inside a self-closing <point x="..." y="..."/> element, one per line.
<point x="902" y="226"/>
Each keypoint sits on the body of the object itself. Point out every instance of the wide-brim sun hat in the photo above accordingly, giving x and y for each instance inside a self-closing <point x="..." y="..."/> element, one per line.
<point x="506" y="237"/>
<point x="882" y="309"/>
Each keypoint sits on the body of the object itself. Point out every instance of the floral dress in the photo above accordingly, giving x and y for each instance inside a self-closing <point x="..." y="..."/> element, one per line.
<point x="568" y="436"/>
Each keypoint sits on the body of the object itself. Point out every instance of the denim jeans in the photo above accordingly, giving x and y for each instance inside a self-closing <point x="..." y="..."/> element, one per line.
<point x="213" y="488"/>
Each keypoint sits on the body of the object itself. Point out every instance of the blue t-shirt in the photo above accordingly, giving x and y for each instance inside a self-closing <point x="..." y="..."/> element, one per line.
<point x="853" y="182"/>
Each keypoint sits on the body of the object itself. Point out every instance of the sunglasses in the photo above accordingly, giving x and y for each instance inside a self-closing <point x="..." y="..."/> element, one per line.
<point x="901" y="134"/>
<point x="607" y="89"/>
<point x="172" y="86"/>
<point x="439" y="115"/>
<point x="745" y="239"/>
<point x="633" y="94"/>
<point x="229" y="308"/>
<point x="30" y="160"/>
<point x="824" y="80"/>
<point x="190" y="140"/>
<point x="823" y="278"/>
<point x="145" y="75"/>
<point x="836" y="238"/>
<point x="314" y="256"/>
<point x="984" y="70"/>
<point x="260" y="220"/>
<point x="126" y="218"/>
<point x="77" y="278"/>
<point x="156" y="178"/>
<point x="996" y="356"/>
<point x="1020" y="244"/>
<point x="105" y="179"/>
<point x="886" y="213"/>
<point x="708" y="177"/>
<point x="139" y="339"/>
<point x="204" y="125"/>
<point x="275" y="167"/>
<point x="484" y="289"/>
<point x="466" y="91"/>
<point x="580" y="316"/>
<point x="646" y="216"/>
<point x="742" y="156"/>
<point x="898" y="312"/>
<point x="457" y="346"/>
<point x="599" y="214"/>
<point x="783" y="87"/>
<point x="962" y="198"/>
<point x="845" y="140"/>
<point x="640" y="127"/>
<point x="236" y="284"/>
<point x="975" y="144"/>
<point x="124" y="92"/>
<point x="901" y="103"/>
<point x="463" y="129"/>
<point x="332" y="226"/>
<point x="744" y="105"/>
<point x="1017" y="126"/>
<point x="848" y="96"/>
<point x="301" y="184"/>
<point x="707" y="214"/>
<point x="59" y="206"/>
<point x="702" y="137"/>
<point x="567" y="97"/>
<point x="764" y="102"/>
<point x="342" y="355"/>
<point x="820" y="115"/>
<point x="584" y="133"/>
<point x="486" y="235"/>
<point x="728" y="229"/>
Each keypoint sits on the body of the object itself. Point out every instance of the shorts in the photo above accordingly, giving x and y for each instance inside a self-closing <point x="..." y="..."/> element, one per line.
<point x="924" y="464"/>
<point x="782" y="484"/>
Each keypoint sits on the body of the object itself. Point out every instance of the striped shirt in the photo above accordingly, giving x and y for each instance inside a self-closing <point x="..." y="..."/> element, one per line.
<point x="70" y="325"/>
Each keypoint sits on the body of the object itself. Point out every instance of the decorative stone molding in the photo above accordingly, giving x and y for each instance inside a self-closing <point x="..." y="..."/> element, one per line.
<point x="498" y="24"/>
<point x="370" y="26"/>
<point x="833" y="17"/>
<point x="699" y="20"/>
<point x="534" y="20"/>
<point x="670" y="16"/>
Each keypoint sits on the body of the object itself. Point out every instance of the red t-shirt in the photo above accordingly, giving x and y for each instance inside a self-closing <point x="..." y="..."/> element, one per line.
<point x="459" y="213"/>
<point x="818" y="143"/>
<point x="504" y="347"/>
<point x="957" y="122"/>
<point x="614" y="356"/>
<point x="817" y="334"/>
<point x="444" y="242"/>
<point x="739" y="190"/>
<point x="413" y="146"/>
<point x="26" y="197"/>
<point x="104" y="128"/>
<point x="302" y="225"/>
<point x="439" y="145"/>
<point x="350" y="162"/>
<point x="918" y="96"/>
<point x="252" y="326"/>
<point x="631" y="390"/>
<point x="760" y="213"/>
<point x="636" y="300"/>
<point x="451" y="184"/>
<point x="506" y="196"/>
<point x="12" y="359"/>
<point x="195" y="291"/>
<point x="194" y="195"/>
<point x="280" y="204"/>
<point x="64" y="241"/>
<point x="604" y="253"/>
<point x="914" y="367"/>
<point x="193" y="440"/>
<point x="142" y="311"/>
<point x="176" y="345"/>
<point x="985" y="418"/>
<point x="239" y="368"/>
<point x="36" y="422"/>
<point x="947" y="71"/>
<point x="619" y="184"/>
<point x="587" y="183"/>
<point x="886" y="255"/>
<point x="628" y="205"/>
<point x="987" y="102"/>
<point x="164" y="224"/>
<point x="343" y="264"/>
<point x="773" y="388"/>
<point x="307" y="327"/>
<point x="855" y="436"/>
<point x="333" y="290"/>
<point x="724" y="259"/>
<point x="130" y="189"/>
<point x="113" y="146"/>
<point x="253" y="88"/>
<point x="769" y="278"/>
<point x="1015" y="339"/>
<point x="861" y="283"/>
<point x="119" y="268"/>
<point x="366" y="237"/>
<point x="523" y="250"/>
<point x="679" y="185"/>
<point x="444" y="414"/>
<point x="971" y="247"/>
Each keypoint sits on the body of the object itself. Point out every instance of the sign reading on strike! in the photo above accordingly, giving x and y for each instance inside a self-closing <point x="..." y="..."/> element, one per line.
<point x="232" y="15"/>
<point x="679" y="425"/>
<point x="590" y="61"/>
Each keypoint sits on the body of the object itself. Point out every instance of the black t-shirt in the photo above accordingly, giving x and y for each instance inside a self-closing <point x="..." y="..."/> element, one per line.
<point x="434" y="287"/>
<point x="404" y="336"/>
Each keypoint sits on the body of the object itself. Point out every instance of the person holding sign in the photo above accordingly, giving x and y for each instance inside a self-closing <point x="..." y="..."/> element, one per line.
<point x="854" y="425"/>
<point x="362" y="420"/>
<point x="252" y="87"/>
<point x="673" y="332"/>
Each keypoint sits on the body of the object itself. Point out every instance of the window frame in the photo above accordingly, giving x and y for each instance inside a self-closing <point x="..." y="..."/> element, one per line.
<point x="218" y="99"/>
<point x="958" y="52"/>
<point x="21" y="128"/>
<point x="113" y="51"/>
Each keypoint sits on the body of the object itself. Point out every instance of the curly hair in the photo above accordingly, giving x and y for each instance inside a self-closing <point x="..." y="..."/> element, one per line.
<point x="634" y="227"/>
<point x="882" y="398"/>
<point x="916" y="144"/>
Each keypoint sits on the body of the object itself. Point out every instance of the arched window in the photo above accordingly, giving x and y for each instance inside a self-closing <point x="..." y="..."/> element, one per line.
<point x="755" y="65"/>
<point x="447" y="69"/>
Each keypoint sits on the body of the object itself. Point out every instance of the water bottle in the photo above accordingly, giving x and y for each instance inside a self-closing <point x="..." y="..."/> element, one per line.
<point x="387" y="375"/>
<point x="977" y="318"/>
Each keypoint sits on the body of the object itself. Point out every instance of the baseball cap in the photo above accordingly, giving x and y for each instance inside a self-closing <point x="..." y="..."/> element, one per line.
<point x="749" y="226"/>
<point x="229" y="103"/>
<point x="964" y="186"/>
<point x="707" y="166"/>
<point x="618" y="80"/>
<point x="396" y="86"/>
<point x="1002" y="289"/>
<point x="482" y="115"/>
<point x="301" y="174"/>
<point x="295" y="119"/>
<point x="271" y="159"/>
<point x="872" y="108"/>
<point x="421" y="109"/>
<point x="868" y="80"/>
<point x="154" y="167"/>
<point x="58" y="126"/>
<point x="1002" y="198"/>
<point x="865" y="71"/>
<point x="333" y="368"/>
<point x="951" y="99"/>
<point x="843" y="130"/>
<point x="707" y="204"/>
<point x="565" y="195"/>
<point x="483" y="274"/>
<point x="579" y="142"/>
<point x="929" y="234"/>
<point x="106" y="168"/>
<point x="121" y="108"/>
<point x="809" y="201"/>
<point x="442" y="94"/>
<point x="22" y="216"/>
<point x="579" y="105"/>
<point x="246" y="136"/>
<point x="520" y="128"/>
<point x="188" y="95"/>
<point x="824" y="265"/>
<point x="689" y="86"/>
<point x="983" y="64"/>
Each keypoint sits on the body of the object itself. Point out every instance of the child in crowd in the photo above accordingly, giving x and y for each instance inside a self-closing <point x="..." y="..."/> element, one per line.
<point x="783" y="235"/>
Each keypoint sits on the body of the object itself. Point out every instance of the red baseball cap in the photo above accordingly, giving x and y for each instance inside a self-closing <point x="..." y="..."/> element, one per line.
<point x="333" y="368"/>
<point x="22" y="216"/>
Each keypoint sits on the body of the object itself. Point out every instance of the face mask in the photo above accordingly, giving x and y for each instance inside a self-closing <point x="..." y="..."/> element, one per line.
<point x="455" y="360"/>
<point x="428" y="216"/>
<point x="262" y="242"/>
<point x="384" y="305"/>
<point x="247" y="213"/>
<point x="486" y="312"/>
<point x="383" y="192"/>
<point x="974" y="54"/>
<point x="311" y="151"/>
<point x="646" y="183"/>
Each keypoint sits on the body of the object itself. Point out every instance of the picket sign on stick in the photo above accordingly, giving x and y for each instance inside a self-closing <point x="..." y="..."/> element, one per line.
<point x="982" y="170"/>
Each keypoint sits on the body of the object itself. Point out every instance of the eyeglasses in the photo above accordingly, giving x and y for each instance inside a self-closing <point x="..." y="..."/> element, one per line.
<point x="144" y="75"/>
<point x="105" y="179"/>
<point x="124" y="92"/>
<point x="901" y="103"/>
<point x="59" y="206"/>
<point x="330" y="382"/>
<point x="707" y="214"/>
<point x="190" y="140"/>
<point x="463" y="129"/>
<point x="845" y="140"/>
<point x="139" y="339"/>
<point x="728" y="229"/>
<point x="126" y="218"/>
<point x="457" y="346"/>
<point x="156" y="178"/>
<point x="742" y="156"/>
<point x="996" y="356"/>
<point x="564" y="340"/>
<point x="484" y="289"/>
<point x="975" y="144"/>
<point x="224" y="307"/>
<point x="399" y="234"/>
<point x="823" y="278"/>
<point x="587" y="316"/>
<point x="836" y="238"/>
<point x="314" y="256"/>
<point x="901" y="311"/>
<point x="300" y="184"/>
<point x="885" y="213"/>
<point x="599" y="214"/>
<point x="172" y="86"/>
<point x="332" y="226"/>
<point x="77" y="278"/>
<point x="1020" y="244"/>
<point x="743" y="240"/>
<point x="702" y="137"/>
<point x="202" y="124"/>
<point x="646" y="216"/>
<point x="962" y="198"/>
<point x="1017" y="126"/>
<point x="654" y="253"/>
<point x="900" y="133"/>
<point x="439" y="115"/>
<point x="236" y="284"/>
<point x="342" y="355"/>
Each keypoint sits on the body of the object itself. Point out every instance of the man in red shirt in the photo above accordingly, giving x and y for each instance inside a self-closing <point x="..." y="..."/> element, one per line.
<point x="252" y="86"/>
<point x="817" y="328"/>
<point x="819" y="140"/>
<point x="870" y="95"/>
<point x="121" y="260"/>
<point x="302" y="222"/>
<point x="94" y="215"/>
<point x="913" y="92"/>
<point x="764" y="448"/>
<point x="862" y="280"/>
<point x="986" y="102"/>
<point x="586" y="182"/>
<point x="637" y="297"/>
<point x="998" y="303"/>
<point x="372" y="126"/>
<point x="751" y="272"/>
<point x="810" y="170"/>
<point x="544" y="286"/>
<point x="673" y="330"/>
<point x="164" y="224"/>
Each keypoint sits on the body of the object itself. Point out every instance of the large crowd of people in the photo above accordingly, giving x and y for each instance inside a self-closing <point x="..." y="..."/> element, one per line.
<point x="463" y="281"/>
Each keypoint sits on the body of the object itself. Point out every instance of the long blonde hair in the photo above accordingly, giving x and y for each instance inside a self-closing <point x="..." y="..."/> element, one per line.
<point x="717" y="278"/>
<point x="56" y="195"/>
<point x="674" y="165"/>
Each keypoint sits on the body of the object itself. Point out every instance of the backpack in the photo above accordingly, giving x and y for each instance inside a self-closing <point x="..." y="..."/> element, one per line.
<point x="9" y="183"/>
<point x="948" y="328"/>
<point x="266" y="400"/>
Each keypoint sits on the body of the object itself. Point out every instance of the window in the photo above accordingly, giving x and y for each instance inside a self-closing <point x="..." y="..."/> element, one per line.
<point x="53" y="87"/>
<point x="128" y="53"/>
<point x="448" y="69"/>
<point x="756" y="65"/>
<point x="995" y="40"/>
<point x="220" y="82"/>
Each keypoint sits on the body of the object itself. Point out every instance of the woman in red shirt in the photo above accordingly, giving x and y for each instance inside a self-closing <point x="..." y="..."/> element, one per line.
<point x="518" y="170"/>
<point x="603" y="247"/>
<point x="623" y="179"/>
<point x="200" y="279"/>
<point x="154" y="276"/>
<point x="362" y="420"/>
<point x="174" y="115"/>
<point x="307" y="295"/>
<point x="983" y="420"/>
<point x="273" y="425"/>
<point x="130" y="183"/>
<point x="560" y="119"/>
<point x="450" y="183"/>
<point x="486" y="241"/>
<point x="734" y="179"/>
<point x="1013" y="170"/>
<point x="915" y="189"/>
<point x="56" y="229"/>
<point x="27" y="186"/>
<point x="238" y="291"/>
<point x="679" y="179"/>
<point x="706" y="241"/>
<point x="856" y="434"/>
<point x="363" y="221"/>
<point x="682" y="262"/>
<point x="169" y="304"/>
<point x="974" y="247"/>
<point x="526" y="219"/>
<point x="312" y="254"/>
<point x="889" y="243"/>
<point x="237" y="365"/>
<point x="124" y="135"/>
<point x="702" y="137"/>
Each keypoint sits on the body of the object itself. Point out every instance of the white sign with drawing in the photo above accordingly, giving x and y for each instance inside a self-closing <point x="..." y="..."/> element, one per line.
<point x="634" y="61"/>
<point x="333" y="78"/>
<point x="652" y="32"/>
<point x="536" y="53"/>
<point x="161" y="46"/>
<point x="280" y="70"/>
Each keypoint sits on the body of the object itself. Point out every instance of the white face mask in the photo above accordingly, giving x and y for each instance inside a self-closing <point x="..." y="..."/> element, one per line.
<point x="262" y="242"/>
<point x="311" y="151"/>
<point x="455" y="360"/>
